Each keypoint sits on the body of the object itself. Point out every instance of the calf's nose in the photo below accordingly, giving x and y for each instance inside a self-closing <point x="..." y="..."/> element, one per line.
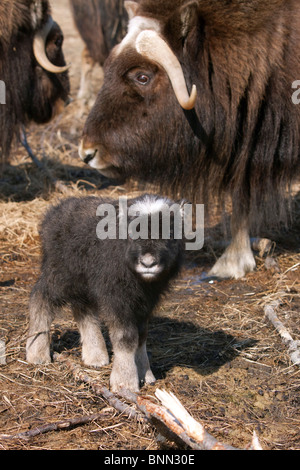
<point x="148" y="260"/>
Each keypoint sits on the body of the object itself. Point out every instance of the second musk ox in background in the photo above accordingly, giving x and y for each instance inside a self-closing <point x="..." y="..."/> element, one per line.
<point x="32" y="66"/>
<point x="197" y="97"/>
<point x="101" y="24"/>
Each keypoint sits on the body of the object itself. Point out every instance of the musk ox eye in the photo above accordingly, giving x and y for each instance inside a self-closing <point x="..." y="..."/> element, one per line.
<point x="142" y="79"/>
<point x="58" y="42"/>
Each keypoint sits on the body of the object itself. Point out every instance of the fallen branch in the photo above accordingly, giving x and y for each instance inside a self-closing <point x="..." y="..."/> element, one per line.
<point x="98" y="389"/>
<point x="293" y="345"/>
<point x="56" y="426"/>
<point x="193" y="428"/>
<point x="171" y="419"/>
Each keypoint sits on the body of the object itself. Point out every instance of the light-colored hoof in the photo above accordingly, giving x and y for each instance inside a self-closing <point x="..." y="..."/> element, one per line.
<point x="95" y="360"/>
<point x="40" y="358"/>
<point x="233" y="265"/>
<point x="119" y="381"/>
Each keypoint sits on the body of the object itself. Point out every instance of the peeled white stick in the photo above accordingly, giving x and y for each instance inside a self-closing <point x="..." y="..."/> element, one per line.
<point x="190" y="425"/>
<point x="293" y="345"/>
<point x="193" y="428"/>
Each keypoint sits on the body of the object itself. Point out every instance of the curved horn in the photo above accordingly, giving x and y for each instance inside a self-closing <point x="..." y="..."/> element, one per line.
<point x="152" y="46"/>
<point x="39" y="49"/>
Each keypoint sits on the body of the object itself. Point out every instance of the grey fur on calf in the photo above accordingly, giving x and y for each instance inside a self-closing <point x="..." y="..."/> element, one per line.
<point x="115" y="281"/>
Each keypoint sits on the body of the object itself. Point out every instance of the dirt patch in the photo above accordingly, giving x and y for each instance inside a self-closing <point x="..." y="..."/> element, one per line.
<point x="209" y="342"/>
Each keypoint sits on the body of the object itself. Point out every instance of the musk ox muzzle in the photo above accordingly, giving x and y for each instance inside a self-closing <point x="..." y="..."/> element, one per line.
<point x="96" y="156"/>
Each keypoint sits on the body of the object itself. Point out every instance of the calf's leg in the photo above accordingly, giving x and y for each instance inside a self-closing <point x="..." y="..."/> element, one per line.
<point x="41" y="316"/>
<point x="94" y="352"/>
<point x="124" y="372"/>
<point x="131" y="363"/>
<point x="142" y="361"/>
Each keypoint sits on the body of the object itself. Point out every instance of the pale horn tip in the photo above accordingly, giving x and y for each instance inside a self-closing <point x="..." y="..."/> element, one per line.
<point x="190" y="103"/>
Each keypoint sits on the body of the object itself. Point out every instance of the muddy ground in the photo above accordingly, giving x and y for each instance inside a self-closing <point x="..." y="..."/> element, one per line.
<point x="209" y="343"/>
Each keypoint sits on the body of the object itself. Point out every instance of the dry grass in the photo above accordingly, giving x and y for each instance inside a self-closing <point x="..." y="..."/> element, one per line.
<point x="210" y="343"/>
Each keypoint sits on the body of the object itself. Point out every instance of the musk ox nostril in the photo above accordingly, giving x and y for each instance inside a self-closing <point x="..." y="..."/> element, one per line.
<point x="89" y="157"/>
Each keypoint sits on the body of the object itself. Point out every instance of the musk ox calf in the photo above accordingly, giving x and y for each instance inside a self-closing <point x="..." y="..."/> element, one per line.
<point x="117" y="280"/>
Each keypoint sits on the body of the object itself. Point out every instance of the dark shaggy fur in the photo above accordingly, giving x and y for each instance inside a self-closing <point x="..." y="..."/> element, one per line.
<point x="243" y="137"/>
<point x="100" y="280"/>
<point x="101" y="24"/>
<point x="32" y="94"/>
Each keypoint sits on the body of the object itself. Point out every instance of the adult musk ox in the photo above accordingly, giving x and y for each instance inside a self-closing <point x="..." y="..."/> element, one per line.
<point x="101" y="25"/>
<point x="32" y="66"/>
<point x="197" y="97"/>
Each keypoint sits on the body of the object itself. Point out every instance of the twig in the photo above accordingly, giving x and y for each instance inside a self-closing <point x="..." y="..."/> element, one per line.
<point x="24" y="142"/>
<point x="98" y="389"/>
<point x="175" y="423"/>
<point x="293" y="345"/>
<point x="57" y="426"/>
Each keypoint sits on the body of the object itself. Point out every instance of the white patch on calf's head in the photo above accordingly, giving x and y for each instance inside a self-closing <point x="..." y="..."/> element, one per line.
<point x="148" y="205"/>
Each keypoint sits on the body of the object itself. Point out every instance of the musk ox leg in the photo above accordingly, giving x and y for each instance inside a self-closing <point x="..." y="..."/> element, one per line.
<point x="141" y="357"/>
<point x="238" y="258"/>
<point x="94" y="352"/>
<point x="41" y="317"/>
<point x="87" y="66"/>
<point x="143" y="365"/>
<point x="124" y="373"/>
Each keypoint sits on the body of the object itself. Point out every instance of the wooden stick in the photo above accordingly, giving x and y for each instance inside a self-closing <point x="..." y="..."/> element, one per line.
<point x="24" y="142"/>
<point x="98" y="389"/>
<point x="293" y="345"/>
<point x="193" y="428"/>
<point x="56" y="426"/>
<point x="178" y="426"/>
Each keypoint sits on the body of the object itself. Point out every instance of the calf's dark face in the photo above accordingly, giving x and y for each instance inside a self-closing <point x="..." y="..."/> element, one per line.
<point x="50" y="91"/>
<point x="153" y="259"/>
